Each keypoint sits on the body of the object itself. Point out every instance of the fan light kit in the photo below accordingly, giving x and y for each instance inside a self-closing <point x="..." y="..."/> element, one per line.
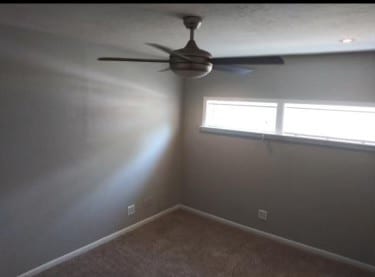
<point x="193" y="62"/>
<point x="347" y="40"/>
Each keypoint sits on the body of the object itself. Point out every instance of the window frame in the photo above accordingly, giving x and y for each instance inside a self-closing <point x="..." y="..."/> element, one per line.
<point x="236" y="99"/>
<point x="278" y="135"/>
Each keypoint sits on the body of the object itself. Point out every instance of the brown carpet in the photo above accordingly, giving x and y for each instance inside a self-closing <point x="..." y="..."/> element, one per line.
<point x="184" y="244"/>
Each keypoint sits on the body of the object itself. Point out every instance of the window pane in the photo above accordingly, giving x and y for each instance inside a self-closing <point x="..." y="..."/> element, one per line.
<point x="331" y="122"/>
<point x="241" y="115"/>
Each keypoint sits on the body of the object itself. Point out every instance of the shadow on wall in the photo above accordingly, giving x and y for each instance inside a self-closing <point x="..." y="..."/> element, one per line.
<point x="80" y="141"/>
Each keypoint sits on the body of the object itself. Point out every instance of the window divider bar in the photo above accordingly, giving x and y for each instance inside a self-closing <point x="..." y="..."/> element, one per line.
<point x="279" y="117"/>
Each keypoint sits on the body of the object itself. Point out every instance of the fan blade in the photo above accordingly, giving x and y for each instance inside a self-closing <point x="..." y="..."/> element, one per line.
<point x="165" y="69"/>
<point x="240" y="70"/>
<point x="168" y="50"/>
<point x="248" y="60"/>
<point x="115" y="59"/>
<point x="160" y="47"/>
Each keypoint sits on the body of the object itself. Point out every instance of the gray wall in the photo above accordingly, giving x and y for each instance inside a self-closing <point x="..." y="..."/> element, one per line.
<point x="80" y="140"/>
<point x="316" y="195"/>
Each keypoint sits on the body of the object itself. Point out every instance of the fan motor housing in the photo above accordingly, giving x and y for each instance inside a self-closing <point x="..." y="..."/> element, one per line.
<point x="200" y="65"/>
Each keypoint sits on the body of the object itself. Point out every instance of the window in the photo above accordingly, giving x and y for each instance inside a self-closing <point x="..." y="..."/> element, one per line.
<point x="330" y="122"/>
<point x="292" y="119"/>
<point x="241" y="115"/>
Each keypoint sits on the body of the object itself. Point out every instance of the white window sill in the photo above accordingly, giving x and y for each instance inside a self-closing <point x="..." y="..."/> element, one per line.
<point x="294" y="139"/>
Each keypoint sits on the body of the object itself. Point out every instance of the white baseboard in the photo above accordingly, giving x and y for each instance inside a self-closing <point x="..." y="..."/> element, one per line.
<point x="95" y="244"/>
<point x="288" y="242"/>
<point x="121" y="232"/>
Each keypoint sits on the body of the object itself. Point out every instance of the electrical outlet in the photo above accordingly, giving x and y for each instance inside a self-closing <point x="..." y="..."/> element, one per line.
<point x="131" y="209"/>
<point x="262" y="215"/>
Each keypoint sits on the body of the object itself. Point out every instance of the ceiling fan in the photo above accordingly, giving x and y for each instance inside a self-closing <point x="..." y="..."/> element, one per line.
<point x="192" y="62"/>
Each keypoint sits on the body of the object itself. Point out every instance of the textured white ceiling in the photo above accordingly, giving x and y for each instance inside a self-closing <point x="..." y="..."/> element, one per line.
<point x="227" y="29"/>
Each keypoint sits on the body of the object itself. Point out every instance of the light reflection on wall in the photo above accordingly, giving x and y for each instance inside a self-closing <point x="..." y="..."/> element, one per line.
<point x="80" y="141"/>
